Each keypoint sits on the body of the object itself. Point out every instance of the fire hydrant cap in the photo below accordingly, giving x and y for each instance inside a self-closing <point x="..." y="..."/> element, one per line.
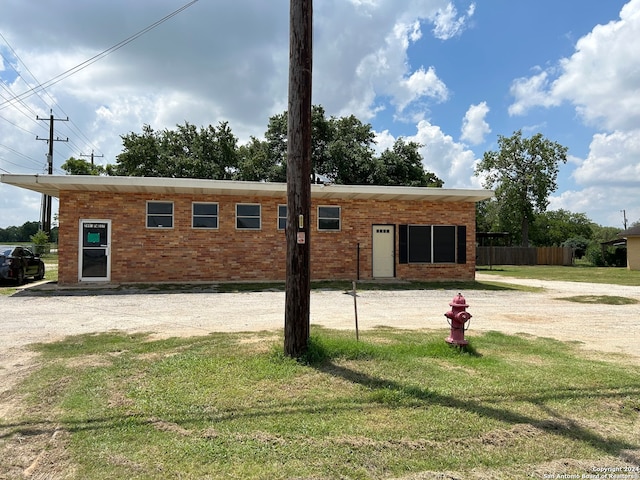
<point x="458" y="301"/>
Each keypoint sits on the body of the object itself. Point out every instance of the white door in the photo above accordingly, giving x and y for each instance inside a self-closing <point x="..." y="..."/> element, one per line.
<point x="94" y="257"/>
<point x="383" y="251"/>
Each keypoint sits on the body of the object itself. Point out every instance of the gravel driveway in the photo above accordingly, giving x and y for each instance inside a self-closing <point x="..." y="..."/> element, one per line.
<point x="27" y="318"/>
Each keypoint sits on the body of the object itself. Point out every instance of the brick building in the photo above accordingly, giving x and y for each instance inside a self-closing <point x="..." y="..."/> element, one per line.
<point x="142" y="229"/>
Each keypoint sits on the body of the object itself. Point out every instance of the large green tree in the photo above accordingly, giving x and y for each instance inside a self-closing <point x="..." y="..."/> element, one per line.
<point x="187" y="152"/>
<point x="524" y="173"/>
<point x="343" y="153"/>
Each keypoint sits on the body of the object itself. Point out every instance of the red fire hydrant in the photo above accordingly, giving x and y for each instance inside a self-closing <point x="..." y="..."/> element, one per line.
<point x="458" y="317"/>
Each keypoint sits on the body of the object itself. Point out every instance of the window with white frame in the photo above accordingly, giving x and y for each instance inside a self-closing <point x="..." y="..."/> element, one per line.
<point x="248" y="216"/>
<point x="204" y="215"/>
<point x="282" y="217"/>
<point x="159" y="214"/>
<point x="328" y="218"/>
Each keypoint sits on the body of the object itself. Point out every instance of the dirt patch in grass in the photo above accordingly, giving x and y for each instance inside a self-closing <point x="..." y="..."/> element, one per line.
<point x="601" y="299"/>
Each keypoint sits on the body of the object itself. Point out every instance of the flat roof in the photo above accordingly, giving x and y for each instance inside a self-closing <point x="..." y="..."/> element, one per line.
<point x="52" y="185"/>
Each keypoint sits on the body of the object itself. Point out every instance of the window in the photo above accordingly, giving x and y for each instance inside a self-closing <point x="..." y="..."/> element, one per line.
<point x="282" y="217"/>
<point x="205" y="215"/>
<point x="433" y="244"/>
<point x="328" y="218"/>
<point x="159" y="214"/>
<point x="247" y="216"/>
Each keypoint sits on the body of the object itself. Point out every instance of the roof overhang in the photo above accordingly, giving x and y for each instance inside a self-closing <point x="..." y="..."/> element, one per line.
<point x="52" y="185"/>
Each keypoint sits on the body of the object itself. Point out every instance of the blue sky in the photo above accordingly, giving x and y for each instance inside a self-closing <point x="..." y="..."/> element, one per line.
<point x="449" y="75"/>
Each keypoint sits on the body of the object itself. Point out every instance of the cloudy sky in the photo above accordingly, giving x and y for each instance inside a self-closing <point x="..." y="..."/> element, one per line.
<point x="451" y="75"/>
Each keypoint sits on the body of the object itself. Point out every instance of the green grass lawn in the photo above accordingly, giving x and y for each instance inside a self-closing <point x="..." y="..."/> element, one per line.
<point x="397" y="404"/>
<point x="578" y="273"/>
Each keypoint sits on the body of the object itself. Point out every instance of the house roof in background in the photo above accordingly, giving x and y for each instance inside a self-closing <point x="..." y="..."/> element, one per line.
<point x="631" y="232"/>
<point x="52" y="185"/>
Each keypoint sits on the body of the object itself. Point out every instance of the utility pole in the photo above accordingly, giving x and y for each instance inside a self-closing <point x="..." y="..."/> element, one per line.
<point x="624" y="218"/>
<point x="45" y="218"/>
<point x="298" y="282"/>
<point x="92" y="155"/>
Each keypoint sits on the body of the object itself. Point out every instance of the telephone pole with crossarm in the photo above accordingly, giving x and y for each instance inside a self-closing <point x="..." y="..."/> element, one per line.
<point x="45" y="217"/>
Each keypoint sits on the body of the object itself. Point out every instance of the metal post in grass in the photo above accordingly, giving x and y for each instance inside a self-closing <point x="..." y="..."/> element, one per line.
<point x="355" y="307"/>
<point x="298" y="282"/>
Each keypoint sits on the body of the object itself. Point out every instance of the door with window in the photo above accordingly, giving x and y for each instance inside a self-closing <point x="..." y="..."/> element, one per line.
<point x="95" y="243"/>
<point x="383" y="251"/>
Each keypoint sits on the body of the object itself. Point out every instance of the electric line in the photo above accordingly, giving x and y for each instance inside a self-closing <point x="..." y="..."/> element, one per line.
<point x="95" y="58"/>
<point x="14" y="99"/>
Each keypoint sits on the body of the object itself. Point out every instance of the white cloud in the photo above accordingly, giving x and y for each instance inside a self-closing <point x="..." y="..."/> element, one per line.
<point x="612" y="160"/>
<point x="609" y="179"/>
<point x="386" y="72"/>
<point x="601" y="79"/>
<point x="531" y="92"/>
<point x="447" y="24"/>
<point x="450" y="161"/>
<point x="384" y="140"/>
<point x="474" y="126"/>
<point x="605" y="204"/>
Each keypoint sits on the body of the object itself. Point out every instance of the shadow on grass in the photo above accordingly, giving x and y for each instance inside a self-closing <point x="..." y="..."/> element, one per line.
<point x="324" y="359"/>
<point x="556" y="424"/>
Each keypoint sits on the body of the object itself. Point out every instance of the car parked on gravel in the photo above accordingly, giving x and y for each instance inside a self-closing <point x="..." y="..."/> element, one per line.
<point x="17" y="263"/>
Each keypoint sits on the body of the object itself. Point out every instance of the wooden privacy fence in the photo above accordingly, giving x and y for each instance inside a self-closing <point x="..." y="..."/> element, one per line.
<point x="524" y="256"/>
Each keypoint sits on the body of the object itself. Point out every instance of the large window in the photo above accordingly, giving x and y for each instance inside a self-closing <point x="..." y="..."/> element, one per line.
<point x="248" y="216"/>
<point x="159" y="214"/>
<point x="205" y="215"/>
<point x="328" y="218"/>
<point x="433" y="244"/>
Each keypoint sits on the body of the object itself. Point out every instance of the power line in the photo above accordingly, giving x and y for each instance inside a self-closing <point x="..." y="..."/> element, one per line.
<point x="95" y="58"/>
<point x="46" y="199"/>
<point x="20" y="155"/>
<point x="14" y="99"/>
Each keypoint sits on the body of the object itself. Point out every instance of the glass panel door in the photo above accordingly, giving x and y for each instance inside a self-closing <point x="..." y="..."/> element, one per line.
<point x="94" y="244"/>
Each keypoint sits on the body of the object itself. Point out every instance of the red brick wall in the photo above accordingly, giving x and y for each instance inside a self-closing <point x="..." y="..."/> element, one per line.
<point x="183" y="254"/>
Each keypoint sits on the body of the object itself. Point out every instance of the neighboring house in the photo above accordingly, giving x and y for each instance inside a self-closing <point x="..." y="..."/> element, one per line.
<point x="632" y="236"/>
<point x="144" y="229"/>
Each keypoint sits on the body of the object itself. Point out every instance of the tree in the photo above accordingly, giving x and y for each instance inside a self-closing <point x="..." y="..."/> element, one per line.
<point x="349" y="158"/>
<point x="78" y="166"/>
<point x="254" y="163"/>
<point x="402" y="165"/>
<point x="553" y="228"/>
<point x="524" y="173"/>
<point x="40" y="241"/>
<point x="342" y="152"/>
<point x="187" y="152"/>
<point x="19" y="234"/>
<point x="276" y="138"/>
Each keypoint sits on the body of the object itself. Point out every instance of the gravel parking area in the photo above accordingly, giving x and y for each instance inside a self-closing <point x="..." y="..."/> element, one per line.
<point x="27" y="318"/>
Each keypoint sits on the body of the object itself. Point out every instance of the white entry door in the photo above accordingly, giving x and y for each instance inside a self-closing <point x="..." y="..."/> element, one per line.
<point x="95" y="244"/>
<point x="383" y="251"/>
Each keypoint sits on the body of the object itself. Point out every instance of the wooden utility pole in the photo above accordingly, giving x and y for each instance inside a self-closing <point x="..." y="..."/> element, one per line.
<point x="298" y="283"/>
<point x="45" y="218"/>
<point x="92" y="156"/>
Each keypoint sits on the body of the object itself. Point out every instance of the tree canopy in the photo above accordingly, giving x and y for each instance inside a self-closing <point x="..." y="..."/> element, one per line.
<point x="187" y="152"/>
<point x="78" y="166"/>
<point x="342" y="152"/>
<point x="524" y="173"/>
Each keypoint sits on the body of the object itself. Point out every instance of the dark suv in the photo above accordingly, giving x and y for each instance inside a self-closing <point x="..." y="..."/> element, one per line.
<point x="18" y="263"/>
